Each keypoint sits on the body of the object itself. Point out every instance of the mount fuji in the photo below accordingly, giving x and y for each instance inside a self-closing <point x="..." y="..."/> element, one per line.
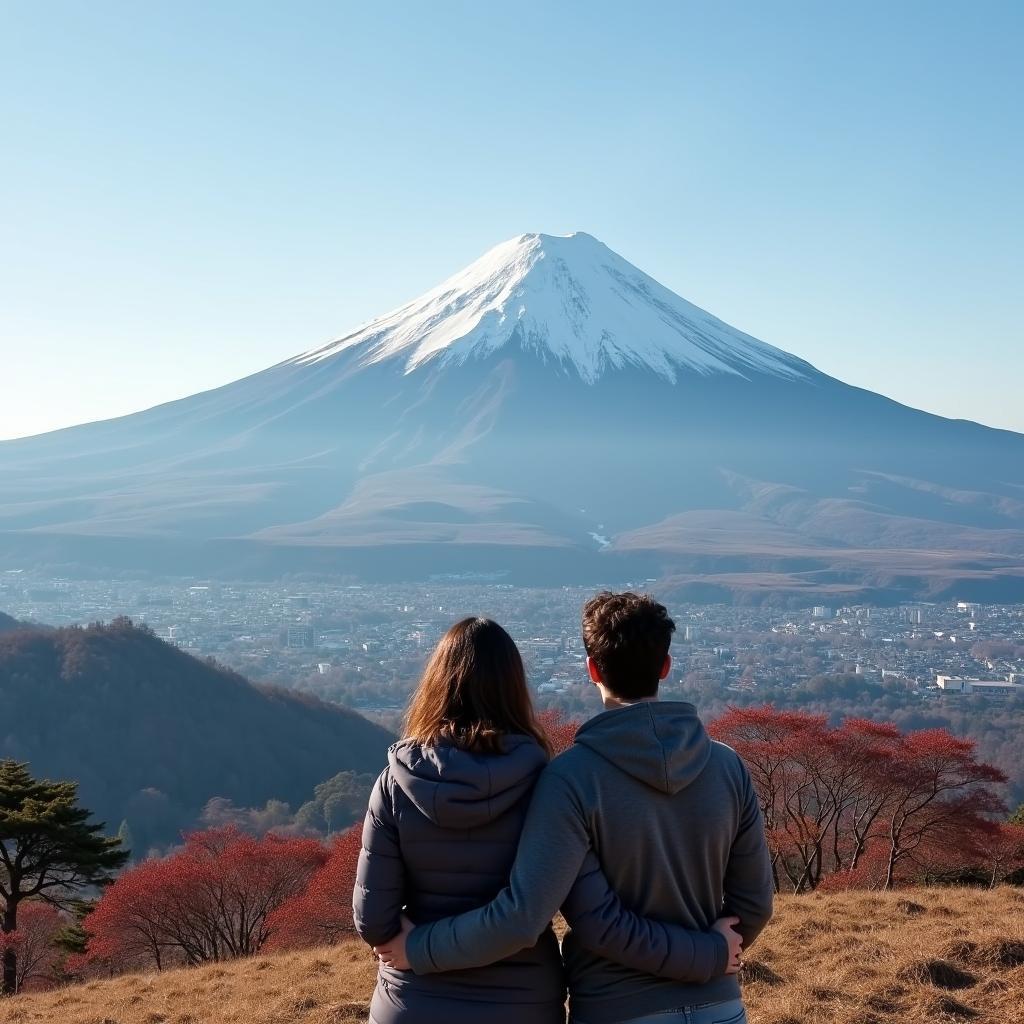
<point x="548" y="414"/>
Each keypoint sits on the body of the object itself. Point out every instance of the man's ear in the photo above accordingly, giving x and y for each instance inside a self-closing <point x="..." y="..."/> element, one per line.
<point x="595" y="672"/>
<point x="667" y="667"/>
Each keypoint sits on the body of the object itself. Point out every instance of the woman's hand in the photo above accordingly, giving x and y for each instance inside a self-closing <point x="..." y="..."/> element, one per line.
<point x="726" y="927"/>
<point x="392" y="952"/>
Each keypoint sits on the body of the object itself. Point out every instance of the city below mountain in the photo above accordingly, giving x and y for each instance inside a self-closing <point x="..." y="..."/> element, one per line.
<point x="549" y="414"/>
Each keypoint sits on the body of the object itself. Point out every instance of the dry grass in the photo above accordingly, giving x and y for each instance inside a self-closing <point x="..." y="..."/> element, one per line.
<point x="854" y="958"/>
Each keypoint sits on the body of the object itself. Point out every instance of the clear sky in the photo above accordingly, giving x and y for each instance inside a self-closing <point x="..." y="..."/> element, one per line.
<point x="192" y="191"/>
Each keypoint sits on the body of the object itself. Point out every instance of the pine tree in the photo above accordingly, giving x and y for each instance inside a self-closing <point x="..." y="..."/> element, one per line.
<point x="73" y="937"/>
<point x="48" y="850"/>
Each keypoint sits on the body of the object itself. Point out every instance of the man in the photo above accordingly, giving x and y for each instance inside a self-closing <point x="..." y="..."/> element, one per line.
<point x="672" y="817"/>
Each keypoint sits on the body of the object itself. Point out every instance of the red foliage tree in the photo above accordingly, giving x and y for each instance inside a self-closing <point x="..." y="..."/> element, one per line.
<point x="560" y="731"/>
<point x="938" y="796"/>
<point x="322" y="913"/>
<point x="833" y="796"/>
<point x="213" y="900"/>
<point x="779" y="748"/>
<point x="869" y="751"/>
<point x="133" y="924"/>
<point x="1001" y="850"/>
<point x="38" y="963"/>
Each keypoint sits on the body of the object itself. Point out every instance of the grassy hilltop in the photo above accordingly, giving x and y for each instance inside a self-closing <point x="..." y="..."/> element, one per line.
<point x="920" y="955"/>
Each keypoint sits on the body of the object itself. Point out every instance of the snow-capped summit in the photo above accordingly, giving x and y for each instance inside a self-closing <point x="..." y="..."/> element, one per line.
<point x="572" y="301"/>
<point x="549" y="415"/>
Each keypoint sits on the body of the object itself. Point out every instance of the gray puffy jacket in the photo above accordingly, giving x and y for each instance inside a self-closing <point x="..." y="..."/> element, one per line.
<point x="440" y="837"/>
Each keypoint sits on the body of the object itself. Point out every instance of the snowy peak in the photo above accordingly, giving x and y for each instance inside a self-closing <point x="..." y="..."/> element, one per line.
<point x="573" y="302"/>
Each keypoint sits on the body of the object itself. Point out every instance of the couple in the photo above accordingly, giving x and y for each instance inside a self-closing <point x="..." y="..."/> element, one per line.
<point x="645" y="834"/>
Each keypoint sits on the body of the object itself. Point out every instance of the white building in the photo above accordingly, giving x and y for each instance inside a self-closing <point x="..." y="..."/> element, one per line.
<point x="980" y="687"/>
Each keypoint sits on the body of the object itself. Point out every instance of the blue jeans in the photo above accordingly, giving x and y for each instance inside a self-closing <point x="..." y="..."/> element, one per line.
<point x="729" y="1012"/>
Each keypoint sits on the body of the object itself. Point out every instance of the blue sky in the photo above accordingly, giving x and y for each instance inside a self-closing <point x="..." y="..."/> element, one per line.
<point x="190" y="192"/>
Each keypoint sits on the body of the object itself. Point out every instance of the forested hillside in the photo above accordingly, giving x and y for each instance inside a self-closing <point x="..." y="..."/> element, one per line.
<point x="152" y="733"/>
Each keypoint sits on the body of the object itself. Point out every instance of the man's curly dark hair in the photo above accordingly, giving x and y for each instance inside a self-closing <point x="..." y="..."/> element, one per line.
<point x="628" y="636"/>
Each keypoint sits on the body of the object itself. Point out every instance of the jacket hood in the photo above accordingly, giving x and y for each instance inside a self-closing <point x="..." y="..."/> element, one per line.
<point x="661" y="743"/>
<point x="457" y="789"/>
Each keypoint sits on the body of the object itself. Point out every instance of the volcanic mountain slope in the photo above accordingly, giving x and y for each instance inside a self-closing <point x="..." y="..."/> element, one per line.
<point x="551" y="412"/>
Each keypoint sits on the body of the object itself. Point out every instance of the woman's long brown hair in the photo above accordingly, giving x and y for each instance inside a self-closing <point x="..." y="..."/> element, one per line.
<point x="473" y="692"/>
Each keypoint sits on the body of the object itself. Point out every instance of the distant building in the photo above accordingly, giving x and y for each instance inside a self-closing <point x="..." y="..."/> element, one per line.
<point x="170" y="635"/>
<point x="540" y="647"/>
<point x="820" y="611"/>
<point x="301" y="635"/>
<point x="993" y="688"/>
<point x="691" y="633"/>
<point x="553" y="686"/>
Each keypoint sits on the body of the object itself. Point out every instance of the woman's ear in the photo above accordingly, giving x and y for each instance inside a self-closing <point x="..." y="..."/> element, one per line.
<point x="667" y="667"/>
<point x="595" y="672"/>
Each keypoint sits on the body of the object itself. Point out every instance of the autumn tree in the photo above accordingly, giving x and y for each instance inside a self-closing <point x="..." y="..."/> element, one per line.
<point x="765" y="738"/>
<point x="870" y="751"/>
<point x="834" y="795"/>
<point x="134" y="924"/>
<point x="938" y="794"/>
<point x="322" y="914"/>
<point x="214" y="900"/>
<point x="560" y="730"/>
<point x="1001" y="850"/>
<point x="35" y="945"/>
<point x="242" y="880"/>
<point x="49" y="851"/>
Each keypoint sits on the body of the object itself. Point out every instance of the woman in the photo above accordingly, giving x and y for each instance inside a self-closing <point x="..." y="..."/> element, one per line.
<point x="441" y="834"/>
<point x="442" y="828"/>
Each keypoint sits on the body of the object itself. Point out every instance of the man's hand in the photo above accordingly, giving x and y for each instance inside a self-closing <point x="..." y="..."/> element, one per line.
<point x="726" y="927"/>
<point x="392" y="952"/>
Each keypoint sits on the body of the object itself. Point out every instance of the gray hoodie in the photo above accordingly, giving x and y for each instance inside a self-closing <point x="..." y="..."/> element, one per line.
<point x="675" y="824"/>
